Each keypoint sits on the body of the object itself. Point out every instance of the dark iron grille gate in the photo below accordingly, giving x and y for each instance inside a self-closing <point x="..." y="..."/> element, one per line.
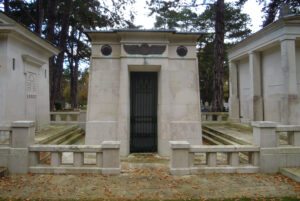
<point x="143" y="112"/>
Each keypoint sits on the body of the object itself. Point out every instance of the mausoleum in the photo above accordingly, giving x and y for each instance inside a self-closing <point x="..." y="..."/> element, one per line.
<point x="265" y="74"/>
<point x="143" y="89"/>
<point x="24" y="74"/>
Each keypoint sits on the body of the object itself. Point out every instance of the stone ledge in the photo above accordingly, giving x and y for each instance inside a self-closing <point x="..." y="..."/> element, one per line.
<point x="111" y="171"/>
<point x="65" y="170"/>
<point x="110" y="144"/>
<point x="281" y="150"/>
<point x="22" y="124"/>
<point x="66" y="148"/>
<point x="180" y="171"/>
<point x="224" y="169"/>
<point x="263" y="124"/>
<point x="286" y="128"/>
<point x="179" y="144"/>
<point x="224" y="148"/>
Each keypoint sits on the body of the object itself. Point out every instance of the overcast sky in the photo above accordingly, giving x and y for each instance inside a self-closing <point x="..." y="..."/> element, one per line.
<point x="251" y="7"/>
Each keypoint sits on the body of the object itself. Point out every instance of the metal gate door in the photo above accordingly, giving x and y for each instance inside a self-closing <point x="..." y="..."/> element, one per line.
<point x="143" y="112"/>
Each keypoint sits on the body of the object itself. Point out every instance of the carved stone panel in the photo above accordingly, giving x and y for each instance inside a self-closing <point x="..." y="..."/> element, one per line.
<point x="31" y="88"/>
<point x="144" y="49"/>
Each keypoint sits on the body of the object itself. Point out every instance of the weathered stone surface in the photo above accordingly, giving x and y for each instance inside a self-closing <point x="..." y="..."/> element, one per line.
<point x="178" y="108"/>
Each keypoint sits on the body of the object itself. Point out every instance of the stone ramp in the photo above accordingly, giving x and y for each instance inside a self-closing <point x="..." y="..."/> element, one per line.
<point x="292" y="173"/>
<point x="227" y="134"/>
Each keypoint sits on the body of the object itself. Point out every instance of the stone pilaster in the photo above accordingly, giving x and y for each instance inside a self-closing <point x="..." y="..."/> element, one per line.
<point x="288" y="66"/>
<point x="234" y="113"/>
<point x="256" y="105"/>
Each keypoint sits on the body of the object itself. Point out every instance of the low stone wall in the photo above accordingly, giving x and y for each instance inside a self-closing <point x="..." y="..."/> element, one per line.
<point x="76" y="118"/>
<point x="22" y="156"/>
<point x="267" y="155"/>
<point x="214" y="116"/>
<point x="5" y="136"/>
<point x="183" y="159"/>
<point x="107" y="159"/>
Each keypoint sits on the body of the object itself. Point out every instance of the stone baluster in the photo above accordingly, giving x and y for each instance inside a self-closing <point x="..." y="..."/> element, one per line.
<point x="56" y="159"/>
<point x="69" y="117"/>
<point x="233" y="158"/>
<point x="78" y="159"/>
<point x="57" y="117"/>
<point x="253" y="158"/>
<point x="294" y="138"/>
<point x="99" y="159"/>
<point x="219" y="117"/>
<point x="209" y="117"/>
<point x="211" y="159"/>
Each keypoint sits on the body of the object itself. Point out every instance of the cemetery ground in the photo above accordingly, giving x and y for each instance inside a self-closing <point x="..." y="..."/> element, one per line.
<point x="146" y="177"/>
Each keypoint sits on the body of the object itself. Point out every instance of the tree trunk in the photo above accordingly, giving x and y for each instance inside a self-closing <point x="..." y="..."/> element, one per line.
<point x="218" y="78"/>
<point x="74" y="84"/>
<point x="39" y="16"/>
<point x="57" y="73"/>
<point x="50" y="37"/>
<point x="6" y="6"/>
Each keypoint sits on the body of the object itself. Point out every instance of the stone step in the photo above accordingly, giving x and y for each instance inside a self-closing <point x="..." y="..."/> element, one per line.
<point x="229" y="138"/>
<point x="73" y="137"/>
<point x="292" y="173"/>
<point x="65" y="137"/>
<point x="210" y="140"/>
<point x="3" y="171"/>
<point x="46" y="138"/>
<point x="217" y="137"/>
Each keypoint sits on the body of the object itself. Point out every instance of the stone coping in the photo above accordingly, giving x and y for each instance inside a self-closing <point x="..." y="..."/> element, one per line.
<point x="263" y="124"/>
<point x="287" y="128"/>
<point x="23" y="124"/>
<point x="179" y="144"/>
<point x="111" y="144"/>
<point x="224" y="148"/>
<point x="66" y="148"/>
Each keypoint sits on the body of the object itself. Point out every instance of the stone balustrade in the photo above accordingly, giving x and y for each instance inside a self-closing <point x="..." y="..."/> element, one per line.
<point x="22" y="156"/>
<point x="183" y="157"/>
<point x="70" y="117"/>
<point x="293" y="134"/>
<point x="107" y="159"/>
<point x="214" y="116"/>
<point x="5" y="136"/>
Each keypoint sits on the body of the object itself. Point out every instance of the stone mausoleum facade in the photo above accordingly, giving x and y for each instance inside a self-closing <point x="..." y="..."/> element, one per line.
<point x="143" y="89"/>
<point x="265" y="74"/>
<point x="24" y="74"/>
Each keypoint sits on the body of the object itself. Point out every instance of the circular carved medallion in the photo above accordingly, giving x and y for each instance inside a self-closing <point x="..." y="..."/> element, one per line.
<point x="106" y="50"/>
<point x="181" y="51"/>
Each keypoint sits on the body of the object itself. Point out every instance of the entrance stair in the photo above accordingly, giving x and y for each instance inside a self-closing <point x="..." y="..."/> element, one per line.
<point x="222" y="135"/>
<point x="292" y="173"/>
<point x="60" y="134"/>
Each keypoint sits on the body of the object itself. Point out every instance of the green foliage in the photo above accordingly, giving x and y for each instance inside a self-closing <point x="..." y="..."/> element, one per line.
<point x="271" y="8"/>
<point x="174" y="15"/>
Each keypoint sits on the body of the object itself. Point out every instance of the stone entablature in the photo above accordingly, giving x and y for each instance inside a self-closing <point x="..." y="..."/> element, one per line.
<point x="24" y="74"/>
<point x="265" y="74"/>
<point x="178" y="113"/>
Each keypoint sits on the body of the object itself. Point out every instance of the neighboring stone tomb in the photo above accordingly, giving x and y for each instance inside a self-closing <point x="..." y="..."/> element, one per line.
<point x="265" y="74"/>
<point x="143" y="89"/>
<point x="24" y="74"/>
